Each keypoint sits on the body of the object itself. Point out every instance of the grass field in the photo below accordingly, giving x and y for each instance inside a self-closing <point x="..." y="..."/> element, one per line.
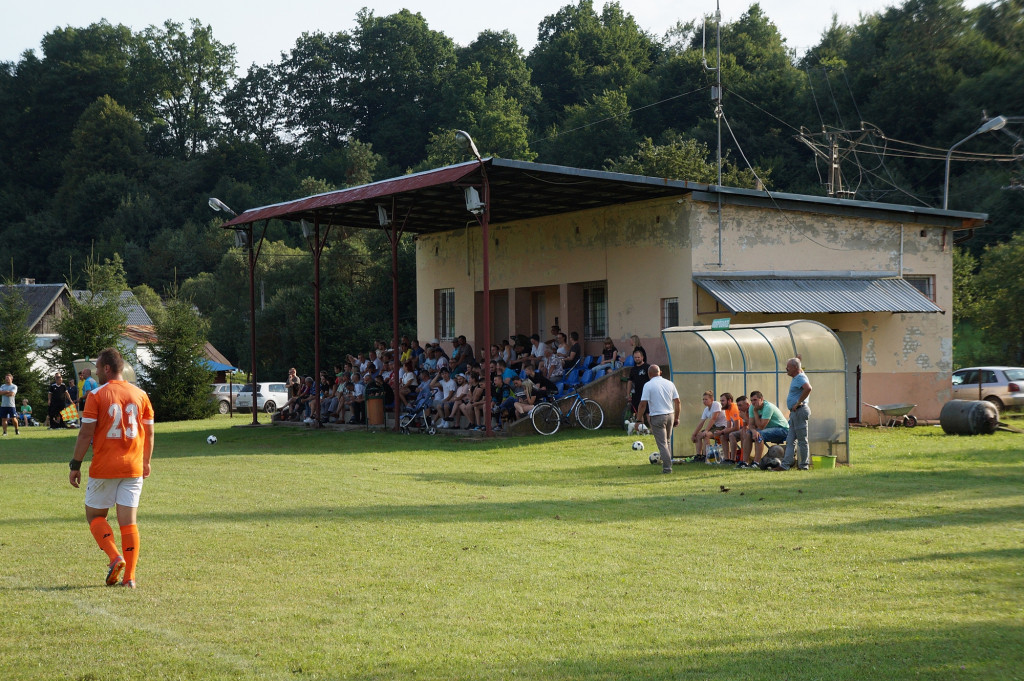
<point x="291" y="554"/>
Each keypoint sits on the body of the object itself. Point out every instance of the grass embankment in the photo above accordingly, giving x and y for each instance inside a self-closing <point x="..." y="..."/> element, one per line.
<point x="283" y="554"/>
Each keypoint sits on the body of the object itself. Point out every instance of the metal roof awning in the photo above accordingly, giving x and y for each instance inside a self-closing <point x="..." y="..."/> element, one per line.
<point x="807" y="295"/>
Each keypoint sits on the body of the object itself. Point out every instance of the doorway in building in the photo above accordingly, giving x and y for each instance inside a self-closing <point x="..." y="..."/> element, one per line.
<point x="851" y="341"/>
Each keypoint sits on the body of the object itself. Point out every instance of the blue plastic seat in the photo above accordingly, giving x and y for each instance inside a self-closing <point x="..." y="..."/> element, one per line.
<point x="598" y="373"/>
<point x="629" y="362"/>
<point x="588" y="362"/>
<point x="587" y="377"/>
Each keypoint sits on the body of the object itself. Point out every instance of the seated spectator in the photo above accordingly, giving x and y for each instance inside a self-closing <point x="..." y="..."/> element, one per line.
<point x="473" y="404"/>
<point x="574" y="355"/>
<point x="502" y="399"/>
<point x="464" y="360"/>
<point x="407" y="384"/>
<point x="536" y="355"/>
<point x="712" y="421"/>
<point x="524" y="397"/>
<point x="552" y="367"/>
<point x="561" y="346"/>
<point x="444" y="388"/>
<point x="418" y="354"/>
<point x="508" y="353"/>
<point x="506" y="374"/>
<point x="329" y="403"/>
<point x="733" y="423"/>
<point x="767" y="424"/>
<point x="292" y="410"/>
<point x="734" y="440"/>
<point x="376" y="362"/>
<point x="25" y="413"/>
<point x="543" y="387"/>
<point x="359" y="399"/>
<point x="452" y="408"/>
<point x="610" y="359"/>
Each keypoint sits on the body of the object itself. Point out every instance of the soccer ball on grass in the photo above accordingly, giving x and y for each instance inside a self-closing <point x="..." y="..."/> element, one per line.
<point x="211" y="440"/>
<point x="638" y="446"/>
<point x="655" y="458"/>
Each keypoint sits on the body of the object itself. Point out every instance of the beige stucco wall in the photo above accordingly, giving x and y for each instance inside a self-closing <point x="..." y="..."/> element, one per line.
<point x="641" y="250"/>
<point x="649" y="251"/>
<point x="904" y="357"/>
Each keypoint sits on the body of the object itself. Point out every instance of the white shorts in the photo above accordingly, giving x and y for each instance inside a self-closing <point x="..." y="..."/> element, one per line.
<point x="105" y="492"/>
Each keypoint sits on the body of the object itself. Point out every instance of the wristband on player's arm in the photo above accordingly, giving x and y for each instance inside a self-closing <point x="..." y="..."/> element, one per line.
<point x="75" y="465"/>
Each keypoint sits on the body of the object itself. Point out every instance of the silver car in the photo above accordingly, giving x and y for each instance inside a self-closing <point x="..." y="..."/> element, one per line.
<point x="268" y="399"/>
<point x="1002" y="386"/>
<point x="223" y="393"/>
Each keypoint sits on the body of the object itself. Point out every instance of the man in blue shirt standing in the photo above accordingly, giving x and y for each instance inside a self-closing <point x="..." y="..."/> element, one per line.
<point x="799" y="413"/>
<point x="88" y="385"/>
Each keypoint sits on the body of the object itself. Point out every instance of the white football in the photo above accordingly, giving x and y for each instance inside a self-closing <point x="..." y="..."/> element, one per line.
<point x="655" y="457"/>
<point x="211" y="440"/>
<point x="638" y="446"/>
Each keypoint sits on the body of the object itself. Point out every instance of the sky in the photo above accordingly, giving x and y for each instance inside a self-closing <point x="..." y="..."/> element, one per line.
<point x="262" y="29"/>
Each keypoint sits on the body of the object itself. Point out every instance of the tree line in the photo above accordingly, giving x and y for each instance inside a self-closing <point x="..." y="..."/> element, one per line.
<point x="111" y="139"/>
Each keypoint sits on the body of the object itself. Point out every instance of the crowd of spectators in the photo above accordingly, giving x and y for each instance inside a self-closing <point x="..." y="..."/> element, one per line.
<point x="450" y="386"/>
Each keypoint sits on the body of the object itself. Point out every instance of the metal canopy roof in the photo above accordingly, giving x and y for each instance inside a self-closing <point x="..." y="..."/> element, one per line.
<point x="432" y="201"/>
<point x="810" y="295"/>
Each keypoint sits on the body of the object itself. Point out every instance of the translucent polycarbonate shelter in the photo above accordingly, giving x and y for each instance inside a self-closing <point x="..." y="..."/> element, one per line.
<point x="749" y="357"/>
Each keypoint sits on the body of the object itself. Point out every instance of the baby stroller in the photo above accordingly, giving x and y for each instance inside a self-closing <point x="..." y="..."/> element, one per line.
<point x="417" y="416"/>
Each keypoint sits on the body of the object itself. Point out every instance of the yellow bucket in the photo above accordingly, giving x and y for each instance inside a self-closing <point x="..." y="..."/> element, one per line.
<point x="824" y="461"/>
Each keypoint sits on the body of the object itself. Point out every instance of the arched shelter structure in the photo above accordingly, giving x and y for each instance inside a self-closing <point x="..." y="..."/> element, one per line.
<point x="750" y="357"/>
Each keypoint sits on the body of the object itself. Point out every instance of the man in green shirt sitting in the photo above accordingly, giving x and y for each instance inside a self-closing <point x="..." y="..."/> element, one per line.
<point x="766" y="424"/>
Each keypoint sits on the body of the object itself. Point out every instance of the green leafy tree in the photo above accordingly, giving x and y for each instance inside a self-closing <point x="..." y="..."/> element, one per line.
<point x="998" y="304"/>
<point x="503" y="64"/>
<point x="178" y="382"/>
<point x="580" y="54"/>
<point x="190" y="69"/>
<point x="402" y="66"/>
<point x="94" y="322"/>
<point x="680" y="158"/>
<point x="150" y="301"/>
<point x="592" y="133"/>
<point x="18" y="346"/>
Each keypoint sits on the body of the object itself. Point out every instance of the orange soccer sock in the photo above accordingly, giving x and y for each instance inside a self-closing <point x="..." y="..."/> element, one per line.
<point x="130" y="544"/>
<point x="104" y="536"/>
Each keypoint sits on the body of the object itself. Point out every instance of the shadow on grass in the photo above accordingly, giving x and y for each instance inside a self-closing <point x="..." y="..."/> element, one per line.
<point x="1013" y="554"/>
<point x="983" y="650"/>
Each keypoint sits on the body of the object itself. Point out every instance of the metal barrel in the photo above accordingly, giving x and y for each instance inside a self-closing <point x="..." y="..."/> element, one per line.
<point x="969" y="417"/>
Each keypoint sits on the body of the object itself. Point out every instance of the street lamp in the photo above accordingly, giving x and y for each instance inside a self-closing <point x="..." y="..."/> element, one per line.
<point x="988" y="126"/>
<point x="483" y="216"/>
<point x="218" y="205"/>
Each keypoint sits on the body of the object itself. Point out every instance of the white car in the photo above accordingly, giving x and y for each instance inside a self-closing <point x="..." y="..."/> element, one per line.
<point x="270" y="396"/>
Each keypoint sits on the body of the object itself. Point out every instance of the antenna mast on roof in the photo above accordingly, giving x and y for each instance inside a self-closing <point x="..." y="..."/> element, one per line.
<point x="716" y="97"/>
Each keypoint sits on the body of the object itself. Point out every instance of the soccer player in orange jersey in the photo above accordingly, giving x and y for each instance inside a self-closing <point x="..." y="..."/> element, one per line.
<point x="118" y="422"/>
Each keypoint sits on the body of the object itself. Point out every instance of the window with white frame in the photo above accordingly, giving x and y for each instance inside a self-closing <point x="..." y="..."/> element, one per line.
<point x="669" y="312"/>
<point x="595" y="310"/>
<point x="444" y="305"/>
<point x="923" y="283"/>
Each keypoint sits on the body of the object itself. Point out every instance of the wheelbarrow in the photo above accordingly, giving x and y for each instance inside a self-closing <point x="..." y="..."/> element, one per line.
<point x="897" y="414"/>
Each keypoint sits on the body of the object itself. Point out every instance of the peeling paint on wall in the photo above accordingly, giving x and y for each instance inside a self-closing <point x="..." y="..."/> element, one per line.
<point x="911" y="344"/>
<point x="923" y="361"/>
<point x="869" y="353"/>
<point x="946" y="348"/>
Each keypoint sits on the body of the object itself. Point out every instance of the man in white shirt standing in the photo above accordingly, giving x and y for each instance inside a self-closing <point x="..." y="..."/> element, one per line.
<point x="8" y="391"/>
<point x="662" y="399"/>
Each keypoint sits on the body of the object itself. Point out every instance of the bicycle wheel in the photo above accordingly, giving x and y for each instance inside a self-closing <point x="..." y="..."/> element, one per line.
<point x="546" y="418"/>
<point x="589" y="414"/>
